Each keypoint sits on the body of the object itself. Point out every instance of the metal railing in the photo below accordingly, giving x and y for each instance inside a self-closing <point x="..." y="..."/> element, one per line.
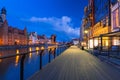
<point x="23" y="56"/>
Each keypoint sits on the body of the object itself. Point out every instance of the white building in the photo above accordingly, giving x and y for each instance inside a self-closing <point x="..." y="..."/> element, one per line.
<point x="33" y="39"/>
<point x="75" y="41"/>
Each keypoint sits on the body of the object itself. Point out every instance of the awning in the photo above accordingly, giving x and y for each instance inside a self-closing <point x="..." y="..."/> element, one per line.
<point x="111" y="34"/>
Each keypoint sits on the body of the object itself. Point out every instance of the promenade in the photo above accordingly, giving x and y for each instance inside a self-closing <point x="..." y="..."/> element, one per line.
<point x="75" y="64"/>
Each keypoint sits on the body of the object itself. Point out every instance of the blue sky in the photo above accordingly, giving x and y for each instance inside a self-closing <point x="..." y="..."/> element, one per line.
<point x="60" y="17"/>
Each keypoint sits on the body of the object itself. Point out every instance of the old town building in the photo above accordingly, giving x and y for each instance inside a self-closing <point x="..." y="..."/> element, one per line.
<point x="10" y="35"/>
<point x="53" y="38"/>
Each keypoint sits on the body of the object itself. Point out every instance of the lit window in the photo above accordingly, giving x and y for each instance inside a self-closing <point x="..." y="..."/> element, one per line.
<point x="115" y="21"/>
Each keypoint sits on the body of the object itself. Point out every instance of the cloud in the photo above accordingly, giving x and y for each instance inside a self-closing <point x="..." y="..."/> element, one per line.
<point x="60" y="24"/>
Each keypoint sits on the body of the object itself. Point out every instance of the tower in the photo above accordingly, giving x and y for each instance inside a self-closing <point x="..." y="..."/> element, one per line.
<point x="3" y="14"/>
<point x="53" y="38"/>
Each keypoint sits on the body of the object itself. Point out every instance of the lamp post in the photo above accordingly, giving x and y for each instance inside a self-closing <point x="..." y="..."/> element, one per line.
<point x="86" y="32"/>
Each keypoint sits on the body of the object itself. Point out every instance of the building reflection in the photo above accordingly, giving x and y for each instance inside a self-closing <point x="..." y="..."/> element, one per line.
<point x="37" y="50"/>
<point x="0" y="59"/>
<point x="30" y="55"/>
<point x="30" y="49"/>
<point x="17" y="51"/>
<point x="42" y="48"/>
<point x="17" y="58"/>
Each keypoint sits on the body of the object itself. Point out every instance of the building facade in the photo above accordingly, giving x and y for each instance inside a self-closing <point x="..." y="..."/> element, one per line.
<point x="102" y="15"/>
<point x="53" y="38"/>
<point x="115" y="16"/>
<point x="33" y="38"/>
<point x="88" y="23"/>
<point x="100" y="18"/>
<point x="42" y="39"/>
<point x="10" y="35"/>
<point x="115" y="21"/>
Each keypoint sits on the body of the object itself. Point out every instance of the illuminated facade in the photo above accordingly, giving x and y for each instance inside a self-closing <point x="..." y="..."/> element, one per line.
<point x="98" y="21"/>
<point x="53" y="38"/>
<point x="42" y="39"/>
<point x="33" y="38"/>
<point x="102" y="15"/>
<point x="88" y="23"/>
<point x="115" y="21"/>
<point x="115" y="15"/>
<point x="10" y="35"/>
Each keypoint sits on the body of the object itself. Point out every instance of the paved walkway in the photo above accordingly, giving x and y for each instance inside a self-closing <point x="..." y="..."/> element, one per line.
<point x="75" y="64"/>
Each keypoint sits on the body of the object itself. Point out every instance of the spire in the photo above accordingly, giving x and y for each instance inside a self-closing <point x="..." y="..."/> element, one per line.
<point x="3" y="11"/>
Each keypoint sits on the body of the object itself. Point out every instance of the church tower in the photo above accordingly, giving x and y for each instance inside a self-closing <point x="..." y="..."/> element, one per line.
<point x="4" y="27"/>
<point x="3" y="14"/>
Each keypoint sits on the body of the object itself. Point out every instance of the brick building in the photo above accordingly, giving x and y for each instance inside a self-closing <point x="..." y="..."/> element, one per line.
<point x="53" y="38"/>
<point x="10" y="35"/>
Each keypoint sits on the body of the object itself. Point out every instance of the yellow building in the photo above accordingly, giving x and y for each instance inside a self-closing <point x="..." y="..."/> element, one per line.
<point x="99" y="29"/>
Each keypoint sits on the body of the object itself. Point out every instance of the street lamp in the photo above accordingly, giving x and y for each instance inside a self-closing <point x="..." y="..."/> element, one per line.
<point x="86" y="32"/>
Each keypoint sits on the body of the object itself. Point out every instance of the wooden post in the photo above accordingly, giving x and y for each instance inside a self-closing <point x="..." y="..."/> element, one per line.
<point x="22" y="67"/>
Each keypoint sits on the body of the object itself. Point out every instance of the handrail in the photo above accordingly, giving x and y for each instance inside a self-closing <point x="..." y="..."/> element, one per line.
<point x="23" y="56"/>
<point x="13" y="55"/>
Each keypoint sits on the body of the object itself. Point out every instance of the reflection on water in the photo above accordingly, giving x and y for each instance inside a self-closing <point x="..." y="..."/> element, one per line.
<point x="37" y="52"/>
<point x="30" y="49"/>
<point x="10" y="67"/>
<point x="0" y="59"/>
<point x="17" y="60"/>
<point x="37" y="48"/>
<point x="17" y="51"/>
<point x="30" y="55"/>
<point x="42" y="48"/>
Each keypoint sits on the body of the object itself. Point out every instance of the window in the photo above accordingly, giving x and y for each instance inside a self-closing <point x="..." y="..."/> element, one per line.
<point x="115" y="17"/>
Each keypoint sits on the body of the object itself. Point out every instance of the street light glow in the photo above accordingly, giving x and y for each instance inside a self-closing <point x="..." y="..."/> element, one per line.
<point x="86" y="31"/>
